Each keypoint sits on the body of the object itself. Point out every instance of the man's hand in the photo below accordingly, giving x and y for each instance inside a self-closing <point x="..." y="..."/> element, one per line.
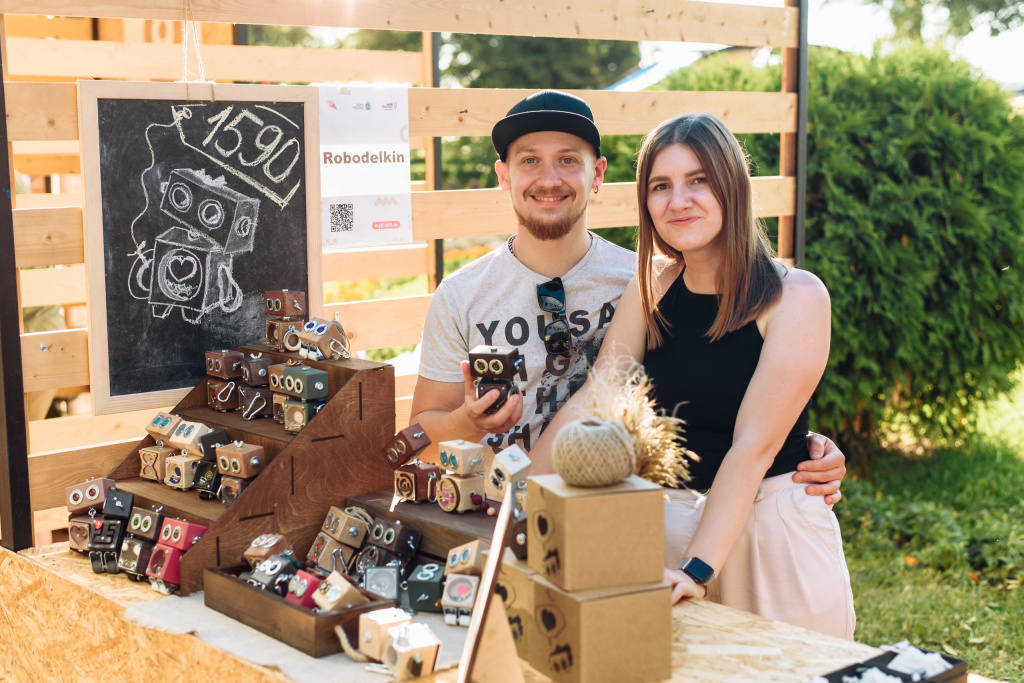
<point x="683" y="587"/>
<point x="503" y="420"/>
<point x="825" y="470"/>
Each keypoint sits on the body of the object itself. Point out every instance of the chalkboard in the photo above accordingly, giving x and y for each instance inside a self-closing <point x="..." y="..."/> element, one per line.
<point x="200" y="206"/>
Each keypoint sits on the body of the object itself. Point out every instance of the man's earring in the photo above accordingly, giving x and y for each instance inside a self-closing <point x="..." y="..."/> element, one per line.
<point x="595" y="190"/>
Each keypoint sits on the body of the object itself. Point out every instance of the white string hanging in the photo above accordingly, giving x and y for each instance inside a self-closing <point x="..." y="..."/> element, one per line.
<point x="189" y="20"/>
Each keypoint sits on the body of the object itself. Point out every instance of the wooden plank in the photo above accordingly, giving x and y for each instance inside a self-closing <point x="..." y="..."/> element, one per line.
<point x="48" y="111"/>
<point x="382" y="323"/>
<point x="47" y="164"/>
<point x="61" y="28"/>
<point x="52" y="360"/>
<point x="50" y="473"/>
<point x="473" y="111"/>
<point x="45" y="237"/>
<point x="48" y="237"/>
<point x="45" y="521"/>
<point x="156" y="61"/>
<point x="218" y="34"/>
<point x="403" y="410"/>
<point x="404" y="385"/>
<point x="49" y="201"/>
<point x="446" y="214"/>
<point x="675" y="20"/>
<point x="473" y="213"/>
<point x="371" y="263"/>
<point x="47" y="157"/>
<point x="65" y="362"/>
<point x="47" y="147"/>
<point x="81" y="431"/>
<point x="41" y="111"/>
<point x="53" y="286"/>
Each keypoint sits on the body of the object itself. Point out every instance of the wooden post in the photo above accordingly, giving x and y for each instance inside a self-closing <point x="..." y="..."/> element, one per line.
<point x="793" y="146"/>
<point x="787" y="146"/>
<point x="801" y="136"/>
<point x="15" y="502"/>
<point x="434" y="166"/>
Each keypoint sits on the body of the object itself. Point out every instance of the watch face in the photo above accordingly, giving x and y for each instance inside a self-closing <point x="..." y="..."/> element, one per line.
<point x="698" y="570"/>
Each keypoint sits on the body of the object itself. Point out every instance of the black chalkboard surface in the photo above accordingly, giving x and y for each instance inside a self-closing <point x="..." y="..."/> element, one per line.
<point x="203" y="207"/>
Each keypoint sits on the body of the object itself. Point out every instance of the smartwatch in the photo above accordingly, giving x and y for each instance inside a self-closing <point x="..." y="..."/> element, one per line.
<point x="698" y="570"/>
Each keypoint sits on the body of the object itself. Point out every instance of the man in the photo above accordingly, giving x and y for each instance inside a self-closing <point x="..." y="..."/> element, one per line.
<point x="549" y="161"/>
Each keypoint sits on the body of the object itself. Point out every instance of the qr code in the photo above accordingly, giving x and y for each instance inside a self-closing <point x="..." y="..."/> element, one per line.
<point x="341" y="218"/>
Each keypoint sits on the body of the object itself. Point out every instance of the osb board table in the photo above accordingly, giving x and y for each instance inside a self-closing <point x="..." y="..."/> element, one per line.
<point x="61" y="622"/>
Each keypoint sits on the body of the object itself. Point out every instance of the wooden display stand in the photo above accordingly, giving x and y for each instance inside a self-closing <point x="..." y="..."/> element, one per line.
<point x="335" y="456"/>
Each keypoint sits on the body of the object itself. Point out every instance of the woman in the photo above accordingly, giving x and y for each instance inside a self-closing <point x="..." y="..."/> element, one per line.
<point x="735" y="343"/>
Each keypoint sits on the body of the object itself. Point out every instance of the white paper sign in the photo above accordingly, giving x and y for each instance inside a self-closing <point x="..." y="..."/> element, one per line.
<point x="364" y="166"/>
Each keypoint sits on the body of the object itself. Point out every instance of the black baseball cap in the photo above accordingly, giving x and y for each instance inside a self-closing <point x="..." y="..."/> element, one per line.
<point x="546" y="110"/>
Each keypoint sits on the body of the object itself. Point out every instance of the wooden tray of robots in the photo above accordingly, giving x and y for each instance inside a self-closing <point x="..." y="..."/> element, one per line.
<point x="958" y="674"/>
<point x="441" y="530"/>
<point x="307" y="631"/>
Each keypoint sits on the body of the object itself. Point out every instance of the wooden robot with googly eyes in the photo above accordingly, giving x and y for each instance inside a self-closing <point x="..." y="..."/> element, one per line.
<point x="495" y="367"/>
<point x="285" y="312"/>
<point x="462" y="487"/>
<point x="321" y="339"/>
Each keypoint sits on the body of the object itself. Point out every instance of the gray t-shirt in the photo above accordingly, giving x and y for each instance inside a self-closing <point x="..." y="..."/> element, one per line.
<point x="493" y="301"/>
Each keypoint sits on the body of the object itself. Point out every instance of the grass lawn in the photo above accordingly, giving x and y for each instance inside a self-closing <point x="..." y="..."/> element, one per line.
<point x="935" y="546"/>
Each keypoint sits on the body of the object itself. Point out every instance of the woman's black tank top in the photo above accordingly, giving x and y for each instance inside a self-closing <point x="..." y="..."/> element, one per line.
<point x="704" y="382"/>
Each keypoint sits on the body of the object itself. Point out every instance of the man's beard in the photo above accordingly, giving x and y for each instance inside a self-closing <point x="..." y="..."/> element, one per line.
<point x="554" y="229"/>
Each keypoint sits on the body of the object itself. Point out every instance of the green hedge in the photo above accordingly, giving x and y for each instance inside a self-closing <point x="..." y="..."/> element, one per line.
<point x="915" y="222"/>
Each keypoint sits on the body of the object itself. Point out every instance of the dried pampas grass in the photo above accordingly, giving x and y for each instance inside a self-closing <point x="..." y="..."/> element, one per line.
<point x="620" y="390"/>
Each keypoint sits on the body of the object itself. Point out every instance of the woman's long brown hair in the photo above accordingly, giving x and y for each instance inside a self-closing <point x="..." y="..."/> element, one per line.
<point x="747" y="282"/>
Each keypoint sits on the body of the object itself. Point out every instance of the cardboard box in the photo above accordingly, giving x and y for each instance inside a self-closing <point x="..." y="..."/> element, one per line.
<point x="514" y="585"/>
<point x="606" y="634"/>
<point x="582" y="538"/>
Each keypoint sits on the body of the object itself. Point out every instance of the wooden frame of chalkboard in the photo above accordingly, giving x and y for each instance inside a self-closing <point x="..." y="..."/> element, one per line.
<point x="198" y="198"/>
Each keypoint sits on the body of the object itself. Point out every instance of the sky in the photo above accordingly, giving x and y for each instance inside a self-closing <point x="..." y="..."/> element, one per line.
<point x="855" y="26"/>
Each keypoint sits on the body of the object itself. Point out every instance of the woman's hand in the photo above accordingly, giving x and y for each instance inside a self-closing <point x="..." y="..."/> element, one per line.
<point x="683" y="587"/>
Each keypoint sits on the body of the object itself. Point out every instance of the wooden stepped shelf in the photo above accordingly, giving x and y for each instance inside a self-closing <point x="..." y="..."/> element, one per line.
<point x="335" y="457"/>
<point x="441" y="530"/>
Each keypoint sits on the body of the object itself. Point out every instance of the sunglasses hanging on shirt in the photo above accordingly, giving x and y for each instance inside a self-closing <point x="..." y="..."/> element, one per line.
<point x="551" y="298"/>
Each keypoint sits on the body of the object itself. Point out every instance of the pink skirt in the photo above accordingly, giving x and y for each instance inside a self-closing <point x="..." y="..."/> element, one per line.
<point x="787" y="563"/>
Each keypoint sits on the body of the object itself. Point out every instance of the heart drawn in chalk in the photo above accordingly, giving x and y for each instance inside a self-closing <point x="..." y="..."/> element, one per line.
<point x="182" y="267"/>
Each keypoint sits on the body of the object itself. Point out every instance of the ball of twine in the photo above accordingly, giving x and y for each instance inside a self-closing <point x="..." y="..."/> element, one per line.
<point x="593" y="452"/>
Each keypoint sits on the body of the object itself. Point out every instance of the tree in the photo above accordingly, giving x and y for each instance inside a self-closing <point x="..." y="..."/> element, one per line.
<point x="480" y="61"/>
<point x="282" y="36"/>
<point x="371" y="39"/>
<point x="908" y="15"/>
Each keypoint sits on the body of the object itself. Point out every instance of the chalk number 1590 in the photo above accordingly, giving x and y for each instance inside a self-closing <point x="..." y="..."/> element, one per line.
<point x="266" y="142"/>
